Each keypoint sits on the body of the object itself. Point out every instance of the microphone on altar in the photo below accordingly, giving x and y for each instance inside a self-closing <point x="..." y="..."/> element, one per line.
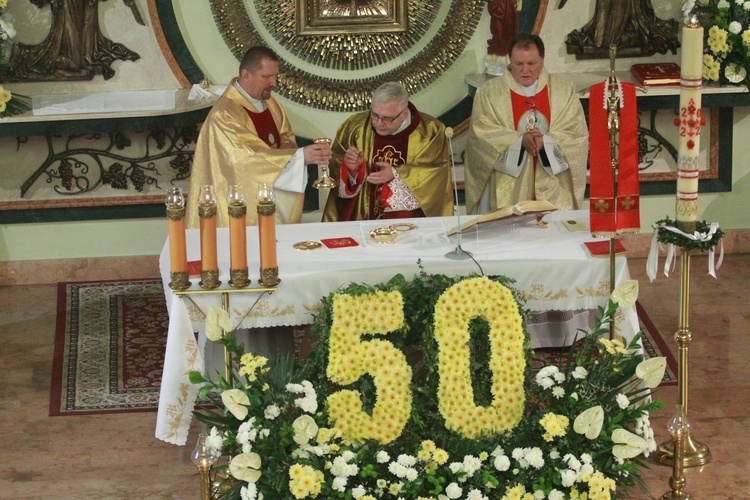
<point x="458" y="253"/>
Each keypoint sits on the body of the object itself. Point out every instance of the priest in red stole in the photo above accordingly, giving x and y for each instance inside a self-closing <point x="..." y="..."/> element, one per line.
<point x="247" y="140"/>
<point x="394" y="162"/>
<point x="528" y="138"/>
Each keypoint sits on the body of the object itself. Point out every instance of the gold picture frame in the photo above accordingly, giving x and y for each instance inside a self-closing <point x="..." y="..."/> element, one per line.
<point x="345" y="17"/>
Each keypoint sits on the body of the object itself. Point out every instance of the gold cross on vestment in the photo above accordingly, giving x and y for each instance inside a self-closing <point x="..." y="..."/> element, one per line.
<point x="601" y="206"/>
<point x="628" y="203"/>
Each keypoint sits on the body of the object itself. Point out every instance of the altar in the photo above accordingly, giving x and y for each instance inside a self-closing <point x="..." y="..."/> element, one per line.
<point x="552" y="269"/>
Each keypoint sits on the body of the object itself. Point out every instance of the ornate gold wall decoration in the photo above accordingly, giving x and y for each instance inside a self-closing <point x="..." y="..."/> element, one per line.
<point x="325" y="17"/>
<point x="352" y="51"/>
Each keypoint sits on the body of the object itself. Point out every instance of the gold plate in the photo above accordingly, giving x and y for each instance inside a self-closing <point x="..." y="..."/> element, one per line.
<point x="384" y="235"/>
<point x="403" y="226"/>
<point x="307" y="245"/>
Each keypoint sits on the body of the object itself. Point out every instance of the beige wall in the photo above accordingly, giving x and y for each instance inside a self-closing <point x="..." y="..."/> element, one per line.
<point x="20" y="242"/>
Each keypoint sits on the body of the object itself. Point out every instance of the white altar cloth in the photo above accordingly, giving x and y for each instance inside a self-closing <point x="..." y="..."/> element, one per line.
<point x="552" y="270"/>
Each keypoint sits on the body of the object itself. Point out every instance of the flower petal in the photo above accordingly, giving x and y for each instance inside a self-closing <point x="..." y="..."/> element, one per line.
<point x="590" y="422"/>
<point x="651" y="371"/>
<point x="625" y="294"/>
<point x="217" y="322"/>
<point x="236" y="402"/>
<point x="627" y="444"/>
<point x="245" y="467"/>
<point x="305" y="429"/>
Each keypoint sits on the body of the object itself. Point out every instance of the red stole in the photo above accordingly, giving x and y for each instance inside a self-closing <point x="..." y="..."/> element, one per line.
<point x="266" y="127"/>
<point x="610" y="214"/>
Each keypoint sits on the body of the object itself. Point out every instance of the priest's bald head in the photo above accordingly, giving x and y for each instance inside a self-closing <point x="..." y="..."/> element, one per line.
<point x="259" y="70"/>
<point x="389" y="110"/>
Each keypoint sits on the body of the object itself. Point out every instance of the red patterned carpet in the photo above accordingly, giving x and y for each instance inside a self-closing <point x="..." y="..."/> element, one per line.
<point x="111" y="337"/>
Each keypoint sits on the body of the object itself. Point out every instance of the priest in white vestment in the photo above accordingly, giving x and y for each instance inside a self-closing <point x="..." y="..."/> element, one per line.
<point x="528" y="138"/>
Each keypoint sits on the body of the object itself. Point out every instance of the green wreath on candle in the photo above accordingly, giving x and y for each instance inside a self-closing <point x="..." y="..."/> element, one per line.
<point x="706" y="235"/>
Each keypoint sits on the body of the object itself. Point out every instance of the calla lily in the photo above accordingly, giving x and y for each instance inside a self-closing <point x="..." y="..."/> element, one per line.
<point x="217" y="322"/>
<point x="625" y="294"/>
<point x="590" y="422"/>
<point x="305" y="429"/>
<point x="245" y="467"/>
<point x="236" y="402"/>
<point x="651" y="371"/>
<point x="627" y="444"/>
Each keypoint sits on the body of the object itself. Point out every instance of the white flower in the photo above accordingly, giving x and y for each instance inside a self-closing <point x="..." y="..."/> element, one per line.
<point x="246" y="467"/>
<point x="539" y="495"/>
<point x="236" y="402"/>
<point x="568" y="477"/>
<point x="558" y="392"/>
<point x="554" y="454"/>
<point x="546" y="382"/>
<point x="475" y="495"/>
<point x="217" y="322"/>
<point x="622" y="401"/>
<point x="625" y="294"/>
<point x="535" y="458"/>
<point x="214" y="441"/>
<point x="7" y="31"/>
<point x="556" y="495"/>
<point x="339" y="483"/>
<point x="580" y="373"/>
<point x="249" y="492"/>
<point x="359" y="492"/>
<point x="627" y="444"/>
<point x="586" y="458"/>
<point x="271" y="412"/>
<point x="382" y="457"/>
<point x="746" y="5"/>
<point x="453" y="490"/>
<point x="590" y="422"/>
<point x="502" y="463"/>
<point x="735" y="27"/>
<point x="722" y="4"/>
<point x="651" y="371"/>
<point x="411" y="474"/>
<point x="305" y="429"/>
<point x="407" y="460"/>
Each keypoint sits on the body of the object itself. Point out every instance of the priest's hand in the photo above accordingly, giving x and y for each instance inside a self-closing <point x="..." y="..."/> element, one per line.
<point x="353" y="158"/>
<point x="533" y="141"/>
<point x="383" y="175"/>
<point x="316" y="154"/>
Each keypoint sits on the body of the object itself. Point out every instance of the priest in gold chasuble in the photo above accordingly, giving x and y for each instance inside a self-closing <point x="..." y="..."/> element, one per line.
<point x="528" y="138"/>
<point x="247" y="140"/>
<point x="394" y="162"/>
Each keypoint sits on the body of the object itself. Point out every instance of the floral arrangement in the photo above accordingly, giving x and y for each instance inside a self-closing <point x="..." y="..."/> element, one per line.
<point x="9" y="104"/>
<point x="726" y="25"/>
<point x="423" y="389"/>
<point x="705" y="237"/>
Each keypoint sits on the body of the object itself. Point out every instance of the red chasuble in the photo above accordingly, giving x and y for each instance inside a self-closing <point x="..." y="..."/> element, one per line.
<point x="392" y="149"/>
<point x="266" y="127"/>
<point x="614" y="209"/>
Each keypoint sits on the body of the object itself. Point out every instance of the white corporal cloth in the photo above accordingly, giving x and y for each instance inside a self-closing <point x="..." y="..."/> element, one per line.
<point x="552" y="270"/>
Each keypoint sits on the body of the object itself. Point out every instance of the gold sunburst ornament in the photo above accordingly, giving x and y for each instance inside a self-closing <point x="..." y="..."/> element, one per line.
<point x="351" y="52"/>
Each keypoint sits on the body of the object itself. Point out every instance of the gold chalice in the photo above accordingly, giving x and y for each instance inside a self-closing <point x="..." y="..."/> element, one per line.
<point x="325" y="181"/>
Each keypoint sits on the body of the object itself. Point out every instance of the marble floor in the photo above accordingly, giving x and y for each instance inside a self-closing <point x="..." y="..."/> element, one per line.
<point x="117" y="456"/>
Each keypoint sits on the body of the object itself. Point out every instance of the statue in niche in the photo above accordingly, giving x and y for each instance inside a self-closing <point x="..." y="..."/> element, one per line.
<point x="74" y="49"/>
<point x="630" y="25"/>
<point x="503" y="24"/>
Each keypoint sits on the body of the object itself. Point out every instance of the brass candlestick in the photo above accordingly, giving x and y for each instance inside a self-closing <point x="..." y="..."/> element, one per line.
<point x="679" y="429"/>
<point x="204" y="457"/>
<point x="694" y="452"/>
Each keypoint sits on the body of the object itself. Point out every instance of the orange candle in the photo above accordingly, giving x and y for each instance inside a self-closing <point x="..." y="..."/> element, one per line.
<point x="207" y="213"/>
<point x="177" y="242"/>
<point x="237" y="206"/>
<point x="269" y="270"/>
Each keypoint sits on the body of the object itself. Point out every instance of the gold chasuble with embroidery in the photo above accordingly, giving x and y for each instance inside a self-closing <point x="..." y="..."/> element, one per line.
<point x="498" y="121"/>
<point x="239" y="144"/>
<point x="419" y="153"/>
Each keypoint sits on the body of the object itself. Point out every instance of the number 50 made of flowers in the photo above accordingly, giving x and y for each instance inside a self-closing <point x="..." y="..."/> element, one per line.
<point x="379" y="313"/>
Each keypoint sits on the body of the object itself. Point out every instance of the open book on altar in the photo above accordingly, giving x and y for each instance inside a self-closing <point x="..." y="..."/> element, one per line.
<point x="521" y="212"/>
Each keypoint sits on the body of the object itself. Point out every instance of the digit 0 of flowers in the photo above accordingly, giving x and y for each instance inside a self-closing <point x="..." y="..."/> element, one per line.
<point x="454" y="309"/>
<point x="350" y="358"/>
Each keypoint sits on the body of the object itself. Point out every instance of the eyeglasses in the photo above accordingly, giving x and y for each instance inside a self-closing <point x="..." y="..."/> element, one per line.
<point x="385" y="119"/>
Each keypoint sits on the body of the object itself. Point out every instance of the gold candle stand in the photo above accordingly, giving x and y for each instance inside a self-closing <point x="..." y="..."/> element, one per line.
<point x="694" y="453"/>
<point x="225" y="305"/>
<point x="678" y="482"/>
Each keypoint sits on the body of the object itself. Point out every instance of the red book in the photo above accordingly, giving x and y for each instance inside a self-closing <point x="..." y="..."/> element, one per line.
<point x="657" y="73"/>
<point x="600" y="248"/>
<point x="339" y="242"/>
